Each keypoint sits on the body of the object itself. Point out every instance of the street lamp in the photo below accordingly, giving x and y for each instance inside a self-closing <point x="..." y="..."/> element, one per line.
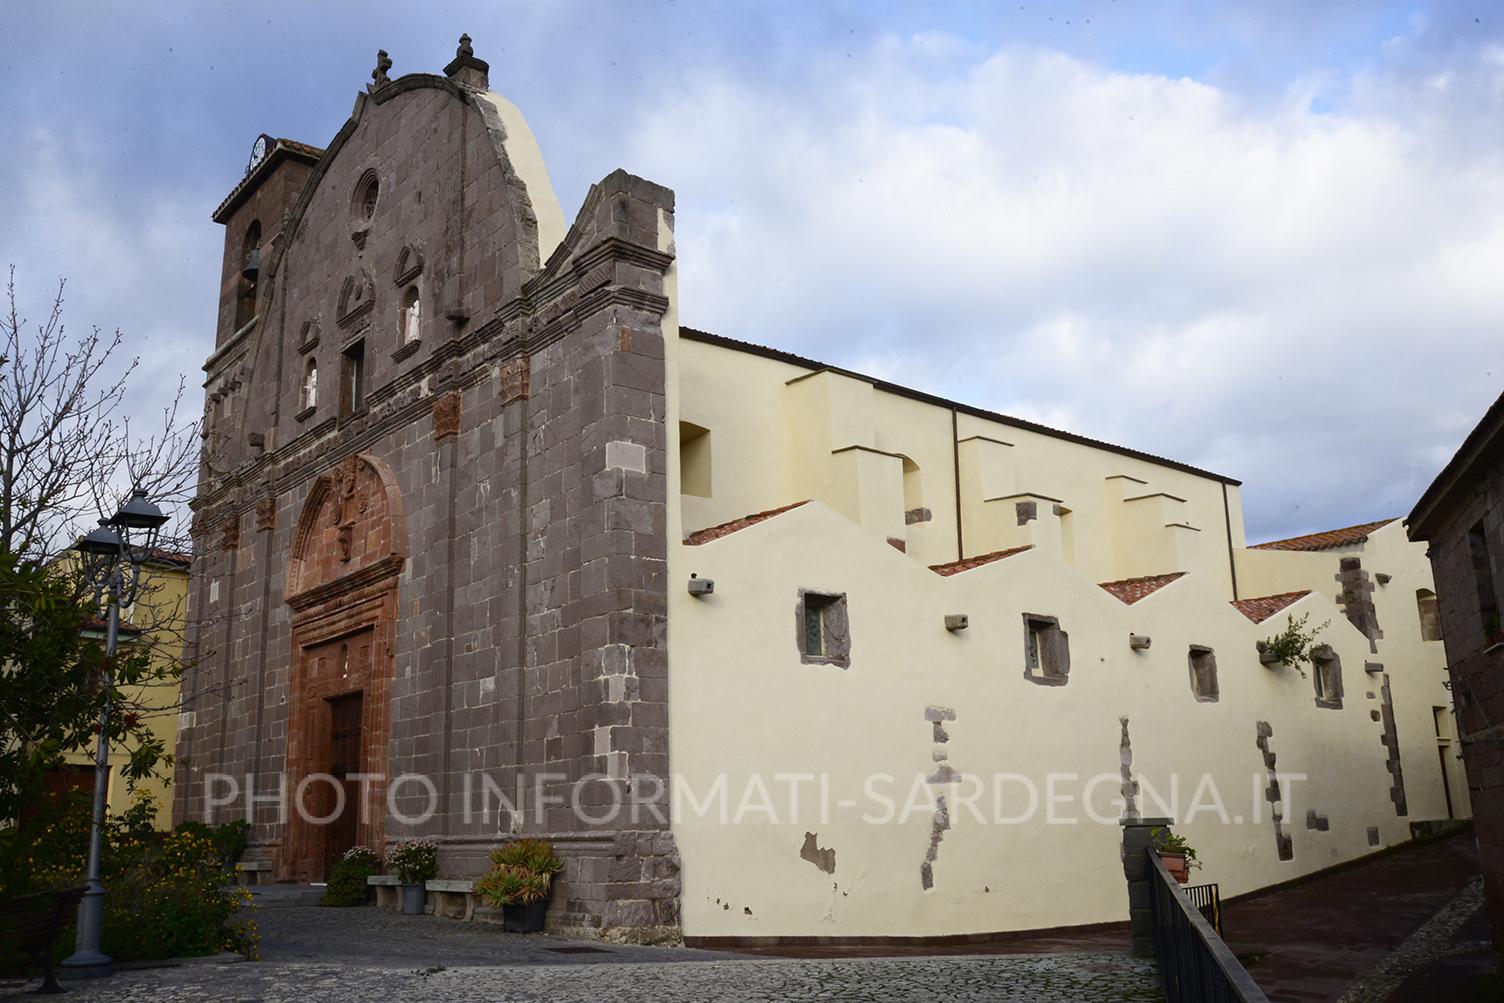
<point x="113" y="564"/>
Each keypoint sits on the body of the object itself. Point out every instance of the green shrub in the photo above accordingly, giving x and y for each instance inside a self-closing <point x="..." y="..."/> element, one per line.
<point x="229" y="838"/>
<point x="347" y="879"/>
<point x="167" y="894"/>
<point x="521" y="873"/>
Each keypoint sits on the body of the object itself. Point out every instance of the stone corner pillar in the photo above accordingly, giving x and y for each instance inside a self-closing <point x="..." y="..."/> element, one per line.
<point x="1136" y="843"/>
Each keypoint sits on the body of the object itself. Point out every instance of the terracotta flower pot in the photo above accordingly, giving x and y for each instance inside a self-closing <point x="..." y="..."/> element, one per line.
<point x="1176" y="864"/>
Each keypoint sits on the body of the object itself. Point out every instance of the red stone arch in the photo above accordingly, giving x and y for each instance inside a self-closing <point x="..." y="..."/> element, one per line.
<point x="347" y="553"/>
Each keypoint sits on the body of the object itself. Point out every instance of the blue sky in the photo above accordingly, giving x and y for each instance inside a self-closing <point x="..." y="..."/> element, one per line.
<point x="1267" y="239"/>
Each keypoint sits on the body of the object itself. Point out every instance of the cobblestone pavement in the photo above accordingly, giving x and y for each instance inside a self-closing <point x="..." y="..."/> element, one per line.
<point x="1035" y="978"/>
<point x="374" y="956"/>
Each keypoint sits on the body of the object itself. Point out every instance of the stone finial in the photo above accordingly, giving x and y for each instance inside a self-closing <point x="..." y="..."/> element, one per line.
<point x="379" y="76"/>
<point x="467" y="71"/>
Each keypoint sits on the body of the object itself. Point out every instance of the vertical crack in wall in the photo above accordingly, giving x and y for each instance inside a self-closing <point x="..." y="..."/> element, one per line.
<point x="943" y="774"/>
<point x="1282" y="842"/>
<point x="1391" y="742"/>
<point x="1130" y="786"/>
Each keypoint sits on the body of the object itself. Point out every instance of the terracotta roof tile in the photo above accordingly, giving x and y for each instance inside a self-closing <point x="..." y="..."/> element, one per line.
<point x="1325" y="541"/>
<point x="1263" y="607"/>
<point x="1131" y="590"/>
<point x="700" y="536"/>
<point x="956" y="567"/>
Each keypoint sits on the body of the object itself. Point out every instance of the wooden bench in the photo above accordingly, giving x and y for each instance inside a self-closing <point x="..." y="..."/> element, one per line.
<point x="253" y="872"/>
<point x="35" y="920"/>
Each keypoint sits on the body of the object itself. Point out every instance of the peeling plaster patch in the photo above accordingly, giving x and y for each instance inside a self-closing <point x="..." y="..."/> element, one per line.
<point x="1130" y="786"/>
<point x="938" y="826"/>
<point x="823" y="859"/>
<point x="914" y="515"/>
<point x="1390" y="739"/>
<point x="1283" y="845"/>
<point x="1027" y="512"/>
<point x="935" y="715"/>
<point x="626" y="456"/>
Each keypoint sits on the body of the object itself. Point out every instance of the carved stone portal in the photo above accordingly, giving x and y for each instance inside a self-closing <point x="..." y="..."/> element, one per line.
<point x="347" y="553"/>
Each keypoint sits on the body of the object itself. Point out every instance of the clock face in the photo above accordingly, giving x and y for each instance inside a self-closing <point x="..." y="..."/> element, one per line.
<point x="258" y="153"/>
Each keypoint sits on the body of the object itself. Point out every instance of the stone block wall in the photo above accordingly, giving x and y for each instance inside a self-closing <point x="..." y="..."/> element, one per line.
<point x="1477" y="670"/>
<point x="526" y="442"/>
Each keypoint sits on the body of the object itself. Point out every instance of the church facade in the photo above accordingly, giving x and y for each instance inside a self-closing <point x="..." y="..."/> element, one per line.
<point x="487" y="545"/>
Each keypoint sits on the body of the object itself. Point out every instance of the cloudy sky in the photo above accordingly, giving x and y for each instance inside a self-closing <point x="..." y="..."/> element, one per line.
<point x="1265" y="239"/>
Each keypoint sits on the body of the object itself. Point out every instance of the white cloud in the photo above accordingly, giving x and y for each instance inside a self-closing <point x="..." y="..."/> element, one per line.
<point x="1309" y="301"/>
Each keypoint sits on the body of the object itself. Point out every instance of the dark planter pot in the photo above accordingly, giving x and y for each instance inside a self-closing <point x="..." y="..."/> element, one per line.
<point x="413" y="899"/>
<point x="524" y="918"/>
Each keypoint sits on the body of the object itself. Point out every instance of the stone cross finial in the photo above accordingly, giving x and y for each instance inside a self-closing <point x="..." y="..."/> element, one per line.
<point x="464" y="50"/>
<point x="383" y="63"/>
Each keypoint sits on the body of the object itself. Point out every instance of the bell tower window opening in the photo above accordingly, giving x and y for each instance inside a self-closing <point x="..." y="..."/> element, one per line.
<point x="250" y="271"/>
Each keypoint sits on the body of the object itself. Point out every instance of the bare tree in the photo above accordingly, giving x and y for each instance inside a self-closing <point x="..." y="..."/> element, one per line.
<point x="68" y="451"/>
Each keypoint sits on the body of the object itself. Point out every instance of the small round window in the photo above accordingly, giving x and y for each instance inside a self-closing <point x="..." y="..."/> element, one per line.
<point x="366" y="192"/>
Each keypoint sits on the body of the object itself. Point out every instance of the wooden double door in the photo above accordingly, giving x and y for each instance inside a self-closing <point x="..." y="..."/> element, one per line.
<point x="346" y="762"/>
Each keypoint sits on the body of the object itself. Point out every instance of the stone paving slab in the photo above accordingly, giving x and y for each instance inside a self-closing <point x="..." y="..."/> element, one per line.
<point x="1050" y="978"/>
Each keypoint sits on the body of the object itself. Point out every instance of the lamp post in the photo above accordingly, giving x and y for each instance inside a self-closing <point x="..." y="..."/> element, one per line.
<point x="113" y="564"/>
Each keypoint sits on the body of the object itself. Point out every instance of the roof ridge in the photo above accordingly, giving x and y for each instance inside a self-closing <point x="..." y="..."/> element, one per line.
<point x="1326" y="539"/>
<point x="709" y="533"/>
<point x="967" y="563"/>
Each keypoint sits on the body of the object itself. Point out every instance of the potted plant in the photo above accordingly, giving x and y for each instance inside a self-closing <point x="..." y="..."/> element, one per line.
<point x="1177" y="855"/>
<point x="415" y="861"/>
<point x="520" y="882"/>
<point x="1290" y="646"/>
<point x="347" y="879"/>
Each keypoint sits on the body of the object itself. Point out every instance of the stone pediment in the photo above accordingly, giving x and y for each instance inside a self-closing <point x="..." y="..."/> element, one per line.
<point x="352" y="532"/>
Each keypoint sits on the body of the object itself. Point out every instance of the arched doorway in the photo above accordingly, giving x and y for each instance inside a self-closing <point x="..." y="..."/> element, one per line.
<point x="347" y="553"/>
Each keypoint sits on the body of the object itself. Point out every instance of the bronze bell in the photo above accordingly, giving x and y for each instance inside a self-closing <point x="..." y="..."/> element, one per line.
<point x="252" y="265"/>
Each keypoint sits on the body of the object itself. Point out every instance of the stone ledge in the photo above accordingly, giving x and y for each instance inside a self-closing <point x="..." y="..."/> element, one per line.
<point x="384" y="880"/>
<point x="459" y="885"/>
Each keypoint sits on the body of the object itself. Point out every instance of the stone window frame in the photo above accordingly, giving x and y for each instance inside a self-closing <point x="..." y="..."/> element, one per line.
<point x="353" y="391"/>
<point x="1326" y="677"/>
<point x="1047" y="653"/>
<point x="365" y="198"/>
<point x="1481" y="565"/>
<point x="1202" y="663"/>
<point x="834" y="627"/>
<point x="1428" y="609"/>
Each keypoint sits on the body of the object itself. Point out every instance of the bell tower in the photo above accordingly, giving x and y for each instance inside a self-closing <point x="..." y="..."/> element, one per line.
<point x="252" y="214"/>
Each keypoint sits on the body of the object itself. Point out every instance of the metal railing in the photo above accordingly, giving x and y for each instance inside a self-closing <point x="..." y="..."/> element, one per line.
<point x="1194" y="964"/>
<point x="1208" y="903"/>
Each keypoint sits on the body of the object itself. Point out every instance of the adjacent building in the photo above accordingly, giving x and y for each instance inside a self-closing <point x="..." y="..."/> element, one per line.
<point x="475" y="509"/>
<point x="1461" y="516"/>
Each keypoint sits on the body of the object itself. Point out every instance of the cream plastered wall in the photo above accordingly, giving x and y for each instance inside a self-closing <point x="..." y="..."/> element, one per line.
<point x="781" y="433"/>
<point x="162" y="610"/>
<point x="1417" y="667"/>
<point x="743" y="706"/>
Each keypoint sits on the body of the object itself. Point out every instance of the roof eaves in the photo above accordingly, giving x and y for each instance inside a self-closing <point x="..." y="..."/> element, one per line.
<point x="706" y="337"/>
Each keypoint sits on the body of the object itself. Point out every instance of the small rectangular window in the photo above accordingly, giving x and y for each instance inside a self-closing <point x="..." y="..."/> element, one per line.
<point x="694" y="460"/>
<point x="824" y="630"/>
<point x="352" y="396"/>
<point x="1047" y="656"/>
<point x="1439" y="717"/>
<point x="1483" y="582"/>
<point x="1203" y="662"/>
<point x="1326" y="673"/>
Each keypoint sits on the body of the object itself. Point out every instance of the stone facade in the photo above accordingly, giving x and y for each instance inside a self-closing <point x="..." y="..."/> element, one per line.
<point x="470" y="533"/>
<point x="1461" y="515"/>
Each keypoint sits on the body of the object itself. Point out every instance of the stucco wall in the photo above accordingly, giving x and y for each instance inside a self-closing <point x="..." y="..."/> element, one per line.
<point x="744" y="704"/>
